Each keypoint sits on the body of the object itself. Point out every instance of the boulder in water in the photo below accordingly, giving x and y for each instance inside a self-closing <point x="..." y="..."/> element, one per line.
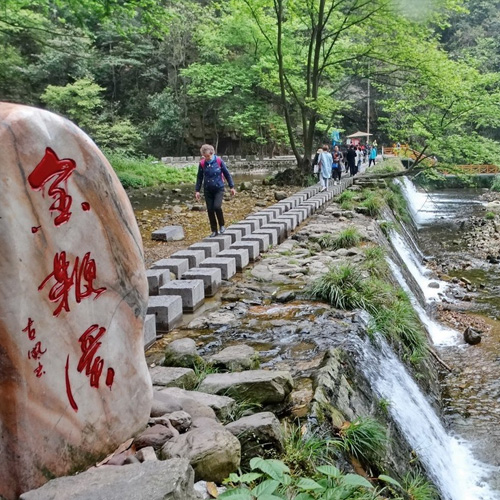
<point x="472" y="336"/>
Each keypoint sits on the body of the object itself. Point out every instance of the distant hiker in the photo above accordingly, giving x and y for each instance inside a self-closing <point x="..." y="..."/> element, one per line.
<point x="351" y="159"/>
<point x="316" y="170"/>
<point x="373" y="155"/>
<point x="336" y="168"/>
<point x="359" y="159"/>
<point x="341" y="156"/>
<point x="211" y="172"/>
<point x="325" y="165"/>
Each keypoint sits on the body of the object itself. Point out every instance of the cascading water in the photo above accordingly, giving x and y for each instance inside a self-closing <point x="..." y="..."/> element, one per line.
<point x="448" y="460"/>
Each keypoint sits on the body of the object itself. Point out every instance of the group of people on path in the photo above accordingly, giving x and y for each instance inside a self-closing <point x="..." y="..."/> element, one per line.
<point x="328" y="165"/>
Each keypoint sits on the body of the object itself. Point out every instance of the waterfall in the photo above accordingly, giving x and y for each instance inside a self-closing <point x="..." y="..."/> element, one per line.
<point x="416" y="268"/>
<point x="440" y="335"/>
<point x="448" y="460"/>
<point x="422" y="208"/>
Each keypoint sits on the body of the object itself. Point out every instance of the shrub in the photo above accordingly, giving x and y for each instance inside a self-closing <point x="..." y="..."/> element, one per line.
<point x="364" y="438"/>
<point x="386" y="227"/>
<point x="489" y="215"/>
<point x="342" y="287"/>
<point x="349" y="237"/>
<point x="496" y="183"/>
<point x="375" y="262"/>
<point x="373" y="204"/>
<point x="418" y="488"/>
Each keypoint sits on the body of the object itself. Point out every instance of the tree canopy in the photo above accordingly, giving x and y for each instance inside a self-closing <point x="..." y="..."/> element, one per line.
<point x="159" y="77"/>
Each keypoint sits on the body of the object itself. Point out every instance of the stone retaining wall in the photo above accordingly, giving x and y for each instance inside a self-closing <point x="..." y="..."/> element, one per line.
<point x="238" y="163"/>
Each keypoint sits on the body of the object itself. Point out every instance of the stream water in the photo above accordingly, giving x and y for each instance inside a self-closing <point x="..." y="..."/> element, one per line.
<point x="472" y="402"/>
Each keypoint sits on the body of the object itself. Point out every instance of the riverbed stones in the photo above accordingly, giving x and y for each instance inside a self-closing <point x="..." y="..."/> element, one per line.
<point x="155" y="480"/>
<point x="268" y="388"/>
<point x="223" y="406"/>
<point x="260" y="435"/>
<point x="74" y="297"/>
<point x="471" y="336"/>
<point x="169" y="400"/>
<point x="170" y="376"/>
<point x="236" y="358"/>
<point x="183" y="353"/>
<point x="213" y="452"/>
<point x="155" y="436"/>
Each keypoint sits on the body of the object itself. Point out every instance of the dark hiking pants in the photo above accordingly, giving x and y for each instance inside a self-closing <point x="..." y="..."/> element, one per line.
<point x="213" y="199"/>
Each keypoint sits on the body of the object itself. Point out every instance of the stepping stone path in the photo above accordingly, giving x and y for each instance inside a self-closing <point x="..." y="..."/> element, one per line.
<point x="220" y="258"/>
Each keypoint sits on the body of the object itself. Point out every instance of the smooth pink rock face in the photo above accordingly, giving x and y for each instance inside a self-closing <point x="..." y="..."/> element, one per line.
<point x="73" y="379"/>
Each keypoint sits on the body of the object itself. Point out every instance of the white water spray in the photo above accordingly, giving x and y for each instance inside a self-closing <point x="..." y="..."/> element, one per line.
<point x="448" y="460"/>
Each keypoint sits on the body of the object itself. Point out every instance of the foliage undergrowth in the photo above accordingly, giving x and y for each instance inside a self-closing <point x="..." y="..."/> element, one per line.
<point x="495" y="186"/>
<point x="142" y="172"/>
<point x="396" y="202"/>
<point x="373" y="203"/>
<point x="347" y="238"/>
<point x="347" y="287"/>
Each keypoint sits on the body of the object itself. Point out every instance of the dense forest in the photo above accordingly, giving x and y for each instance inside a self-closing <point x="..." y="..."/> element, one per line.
<point x="160" y="77"/>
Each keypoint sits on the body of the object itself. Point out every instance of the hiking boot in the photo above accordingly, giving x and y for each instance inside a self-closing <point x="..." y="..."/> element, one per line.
<point x="222" y="230"/>
<point x="215" y="233"/>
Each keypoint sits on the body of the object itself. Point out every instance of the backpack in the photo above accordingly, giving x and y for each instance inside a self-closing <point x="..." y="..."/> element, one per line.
<point x="203" y="161"/>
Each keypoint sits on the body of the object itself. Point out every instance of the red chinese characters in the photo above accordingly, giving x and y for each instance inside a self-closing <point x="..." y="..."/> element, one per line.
<point x="51" y="167"/>
<point x="90" y="362"/>
<point x="37" y="351"/>
<point x="81" y="278"/>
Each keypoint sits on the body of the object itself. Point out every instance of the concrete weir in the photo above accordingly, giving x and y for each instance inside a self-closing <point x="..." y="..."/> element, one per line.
<point x="200" y="268"/>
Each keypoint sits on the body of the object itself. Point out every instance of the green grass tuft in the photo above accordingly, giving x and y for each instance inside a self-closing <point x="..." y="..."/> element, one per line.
<point x="349" y="237"/>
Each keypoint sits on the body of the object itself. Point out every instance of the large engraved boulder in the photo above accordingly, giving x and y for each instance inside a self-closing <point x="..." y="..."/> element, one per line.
<point x="73" y="379"/>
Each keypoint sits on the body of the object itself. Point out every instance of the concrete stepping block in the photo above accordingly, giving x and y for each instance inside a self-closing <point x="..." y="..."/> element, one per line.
<point x="193" y="256"/>
<point x="279" y="208"/>
<point x="226" y="265"/>
<point x="264" y="241"/>
<point x="244" y="228"/>
<point x="268" y="216"/>
<point x="235" y="234"/>
<point x="167" y="310"/>
<point x="307" y="210"/>
<point x="300" y="213"/>
<point x="149" y="330"/>
<point x="272" y="212"/>
<point x="284" y="222"/>
<point x="192" y="293"/>
<point x="211" y="277"/>
<point x="176" y="266"/>
<point x="272" y="232"/>
<point x="211" y="248"/>
<point x="168" y="233"/>
<point x="252" y="247"/>
<point x="262" y="218"/>
<point x="292" y="219"/>
<point x="223" y="241"/>
<point x="239" y="255"/>
<point x="287" y="204"/>
<point x="255" y="221"/>
<point x="157" y="278"/>
<point x="279" y="228"/>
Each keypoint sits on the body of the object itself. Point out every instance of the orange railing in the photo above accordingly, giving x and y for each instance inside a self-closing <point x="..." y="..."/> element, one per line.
<point x="477" y="169"/>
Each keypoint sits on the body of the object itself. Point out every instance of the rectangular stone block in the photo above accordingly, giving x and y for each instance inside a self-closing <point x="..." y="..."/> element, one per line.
<point x="288" y="205"/>
<point x="267" y="215"/>
<point x="149" y="330"/>
<point x="292" y="219"/>
<point x="167" y="310"/>
<point x="223" y="241"/>
<point x="193" y="256"/>
<point x="272" y="232"/>
<point x="277" y="207"/>
<point x="279" y="228"/>
<point x="192" y="293"/>
<point x="211" y="277"/>
<point x="264" y="241"/>
<point x="256" y="221"/>
<point x="244" y="228"/>
<point x="226" y="265"/>
<point x="263" y="218"/>
<point x="211" y="248"/>
<point x="252" y="247"/>
<point x="235" y="234"/>
<point x="239" y="255"/>
<point x="157" y="278"/>
<point x="168" y="233"/>
<point x="176" y="266"/>
<point x="273" y="213"/>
